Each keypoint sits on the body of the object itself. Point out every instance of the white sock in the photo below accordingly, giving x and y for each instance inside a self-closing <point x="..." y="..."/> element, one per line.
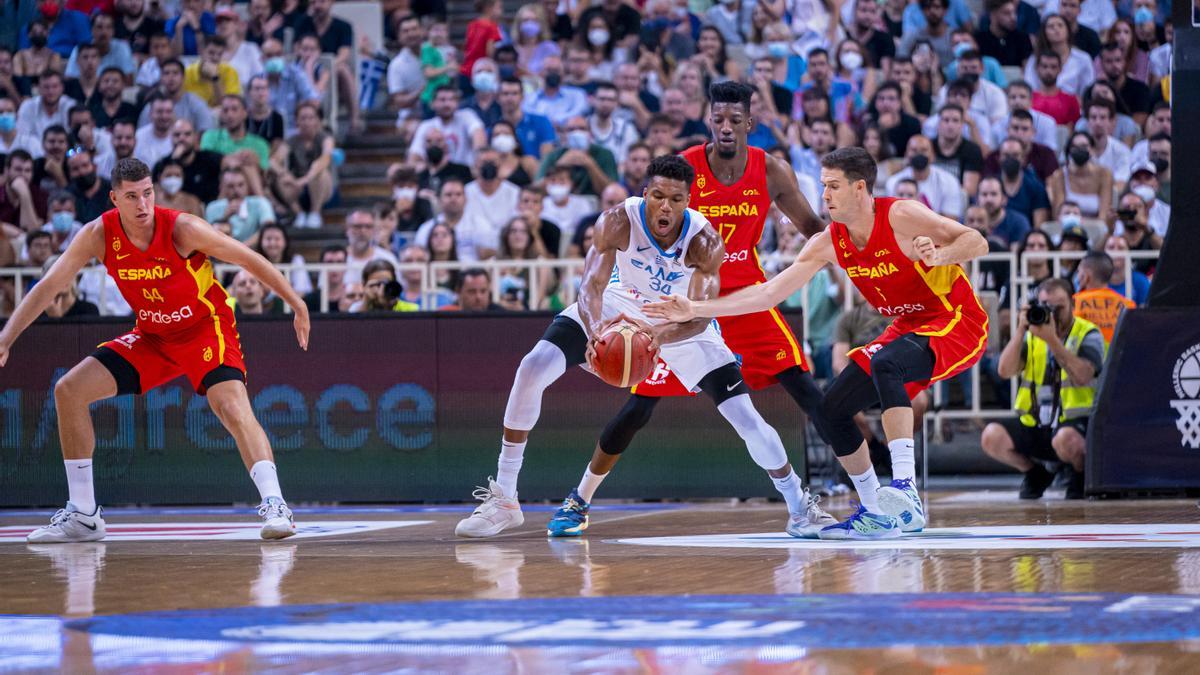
<point x="79" y="484"/>
<point x="904" y="462"/>
<point x="793" y="492"/>
<point x="589" y="483"/>
<point x="512" y="455"/>
<point x="867" y="485"/>
<point x="266" y="479"/>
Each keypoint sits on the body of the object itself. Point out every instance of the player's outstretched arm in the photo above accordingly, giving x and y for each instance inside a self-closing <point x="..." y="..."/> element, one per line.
<point x="758" y="298"/>
<point x="785" y="192"/>
<point x="611" y="232"/>
<point x="88" y="244"/>
<point x="937" y="240"/>
<point x="196" y="234"/>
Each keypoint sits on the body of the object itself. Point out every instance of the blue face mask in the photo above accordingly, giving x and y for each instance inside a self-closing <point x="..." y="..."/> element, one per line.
<point x="62" y="221"/>
<point x="274" y="65"/>
<point x="8" y="122"/>
<point x="779" y="50"/>
<point x="507" y="71"/>
<point x="961" y="48"/>
<point x="485" y="81"/>
<point x="1143" y="15"/>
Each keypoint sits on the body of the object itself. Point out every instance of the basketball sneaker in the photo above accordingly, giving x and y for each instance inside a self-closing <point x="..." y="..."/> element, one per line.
<point x="68" y="525"/>
<point x="277" y="519"/>
<point x="571" y="519"/>
<point x="809" y="524"/>
<point x="497" y="513"/>
<point x="863" y="525"/>
<point x="900" y="499"/>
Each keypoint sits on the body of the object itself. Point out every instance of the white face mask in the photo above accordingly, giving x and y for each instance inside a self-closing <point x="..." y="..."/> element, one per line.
<point x="851" y="60"/>
<point x="172" y="184"/>
<point x="1069" y="220"/>
<point x="504" y="143"/>
<point x="558" y="191"/>
<point x="1145" y="192"/>
<point x="598" y="37"/>
<point x="404" y="194"/>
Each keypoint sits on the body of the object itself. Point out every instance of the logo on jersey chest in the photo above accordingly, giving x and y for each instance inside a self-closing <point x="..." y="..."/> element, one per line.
<point x="144" y="273"/>
<point x="881" y="270"/>
<point x="722" y="210"/>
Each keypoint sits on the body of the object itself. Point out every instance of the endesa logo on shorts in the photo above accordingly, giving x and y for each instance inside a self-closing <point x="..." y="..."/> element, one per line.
<point x="166" y="318"/>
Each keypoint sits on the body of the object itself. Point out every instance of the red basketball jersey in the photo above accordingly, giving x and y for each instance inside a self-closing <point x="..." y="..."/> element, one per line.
<point x="737" y="211"/>
<point x="934" y="298"/>
<point x="168" y="293"/>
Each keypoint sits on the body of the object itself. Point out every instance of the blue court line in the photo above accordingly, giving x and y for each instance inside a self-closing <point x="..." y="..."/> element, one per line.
<point x="335" y="510"/>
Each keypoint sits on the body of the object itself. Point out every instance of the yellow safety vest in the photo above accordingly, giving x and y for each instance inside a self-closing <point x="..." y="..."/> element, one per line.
<point x="1076" y="401"/>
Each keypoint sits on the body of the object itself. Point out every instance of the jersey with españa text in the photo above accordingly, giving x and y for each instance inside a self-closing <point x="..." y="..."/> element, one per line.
<point x="736" y="211"/>
<point x="168" y="293"/>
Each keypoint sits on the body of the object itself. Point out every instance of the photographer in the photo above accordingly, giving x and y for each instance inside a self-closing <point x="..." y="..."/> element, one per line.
<point x="381" y="291"/>
<point x="1059" y="357"/>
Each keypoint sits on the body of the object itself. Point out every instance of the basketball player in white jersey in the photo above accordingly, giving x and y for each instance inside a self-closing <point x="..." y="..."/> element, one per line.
<point x="645" y="248"/>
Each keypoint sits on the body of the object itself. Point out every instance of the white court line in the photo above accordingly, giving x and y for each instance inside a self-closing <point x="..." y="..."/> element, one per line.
<point x="221" y="531"/>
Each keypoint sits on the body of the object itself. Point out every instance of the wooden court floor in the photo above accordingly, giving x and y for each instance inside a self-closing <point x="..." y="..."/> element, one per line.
<point x="994" y="585"/>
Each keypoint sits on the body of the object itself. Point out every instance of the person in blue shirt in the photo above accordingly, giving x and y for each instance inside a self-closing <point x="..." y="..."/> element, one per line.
<point x="820" y="75"/>
<point x="67" y="28"/>
<point x="186" y="29"/>
<point x="1116" y="246"/>
<point x="957" y="14"/>
<point x="535" y="133"/>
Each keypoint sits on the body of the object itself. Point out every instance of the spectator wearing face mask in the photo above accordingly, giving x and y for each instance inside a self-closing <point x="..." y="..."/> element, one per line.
<point x="60" y="29"/>
<point x="1082" y="180"/>
<point x="438" y="166"/>
<point x="462" y="129"/>
<point x="561" y="206"/>
<point x="940" y="189"/>
<point x="557" y="100"/>
<point x="12" y="139"/>
<point x="1144" y="183"/>
<point x="169" y="189"/>
<point x="63" y="225"/>
<point x="410" y="208"/>
<point x="591" y="166"/>
<point x="91" y="192"/>
<point x="485" y="83"/>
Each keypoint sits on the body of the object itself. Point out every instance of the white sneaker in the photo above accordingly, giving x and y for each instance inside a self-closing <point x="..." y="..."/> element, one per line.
<point x="315" y="221"/>
<point x="497" y="513"/>
<point x="69" y="525"/>
<point x="900" y="499"/>
<point x="277" y="519"/>
<point x="809" y="524"/>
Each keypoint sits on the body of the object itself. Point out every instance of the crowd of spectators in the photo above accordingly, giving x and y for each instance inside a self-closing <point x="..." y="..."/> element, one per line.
<point x="1046" y="124"/>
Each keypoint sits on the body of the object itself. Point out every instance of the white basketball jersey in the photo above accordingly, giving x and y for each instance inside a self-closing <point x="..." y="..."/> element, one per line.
<point x="646" y="270"/>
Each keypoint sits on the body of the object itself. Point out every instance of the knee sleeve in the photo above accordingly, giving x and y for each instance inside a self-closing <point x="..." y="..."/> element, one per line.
<point x="851" y="392"/>
<point x="766" y="449"/>
<point x="907" y="359"/>
<point x="619" y="432"/>
<point x="544" y="364"/>
<point x="724" y="383"/>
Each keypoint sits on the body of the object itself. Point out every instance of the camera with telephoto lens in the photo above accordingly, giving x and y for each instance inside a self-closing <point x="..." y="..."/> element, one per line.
<point x="1038" y="313"/>
<point x="392" y="291"/>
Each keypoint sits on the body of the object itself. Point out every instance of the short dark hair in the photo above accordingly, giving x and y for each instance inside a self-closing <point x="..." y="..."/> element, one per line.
<point x="129" y="169"/>
<point x="1019" y="84"/>
<point x="78" y="109"/>
<point x="1161" y="136"/>
<point x="448" y="181"/>
<point x="958" y="86"/>
<point x="1101" y="103"/>
<point x="170" y="62"/>
<point x="471" y="272"/>
<point x="35" y="235"/>
<point x="1111" y="46"/>
<point x="127" y="121"/>
<point x="61" y="195"/>
<point x="953" y="107"/>
<point x="110" y="69"/>
<point x="971" y="55"/>
<point x="817" y="51"/>
<point x="377" y="266"/>
<point x="731" y="91"/>
<point x="609" y="86"/>
<point x="1060" y="283"/>
<point x="513" y="79"/>
<point x="446" y="87"/>
<point x="54" y="129"/>
<point x="853" y="161"/>
<point x="1100" y="264"/>
<point x="87" y="46"/>
<point x="214" y="40"/>
<point x="1049" y="55"/>
<point x="990" y="6"/>
<point x="659" y="119"/>
<point x="1021" y="115"/>
<point x="18" y="153"/>
<point x="332" y="249"/>
<point x="671" y="167"/>
<point x="162" y="165"/>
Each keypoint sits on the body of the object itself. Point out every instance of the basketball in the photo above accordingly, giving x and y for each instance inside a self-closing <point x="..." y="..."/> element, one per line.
<point x="623" y="356"/>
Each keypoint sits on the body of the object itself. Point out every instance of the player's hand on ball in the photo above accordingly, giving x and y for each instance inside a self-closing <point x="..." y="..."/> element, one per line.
<point x="675" y="308"/>
<point x="926" y="251"/>
<point x="302" y="327"/>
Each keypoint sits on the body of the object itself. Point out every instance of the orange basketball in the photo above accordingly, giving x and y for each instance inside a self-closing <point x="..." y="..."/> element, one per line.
<point x="623" y="356"/>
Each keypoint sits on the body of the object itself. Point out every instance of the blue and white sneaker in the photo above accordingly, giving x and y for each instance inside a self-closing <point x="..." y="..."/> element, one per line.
<point x="808" y="525"/>
<point x="863" y="525"/>
<point x="571" y="519"/>
<point x="900" y="499"/>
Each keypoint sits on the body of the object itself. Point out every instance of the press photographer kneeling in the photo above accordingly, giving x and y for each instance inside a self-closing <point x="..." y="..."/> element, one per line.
<point x="1059" y="357"/>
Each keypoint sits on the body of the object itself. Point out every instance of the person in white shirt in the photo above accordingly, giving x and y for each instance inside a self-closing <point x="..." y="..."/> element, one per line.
<point x="48" y="108"/>
<point x="10" y="138"/>
<point x="489" y="196"/>
<point x="988" y="100"/>
<point x="941" y="190"/>
<point x="1143" y="182"/>
<point x="462" y="129"/>
<point x="154" y="139"/>
<point x="405" y="77"/>
<point x="1159" y="122"/>
<point x="475" y="238"/>
<point x="977" y="128"/>
<point x="1020" y="97"/>
<point x="560" y="206"/>
<point x="1077" y="72"/>
<point x="616" y="135"/>
<point x="245" y="56"/>
<point x="1108" y="152"/>
<point x="361" y="247"/>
